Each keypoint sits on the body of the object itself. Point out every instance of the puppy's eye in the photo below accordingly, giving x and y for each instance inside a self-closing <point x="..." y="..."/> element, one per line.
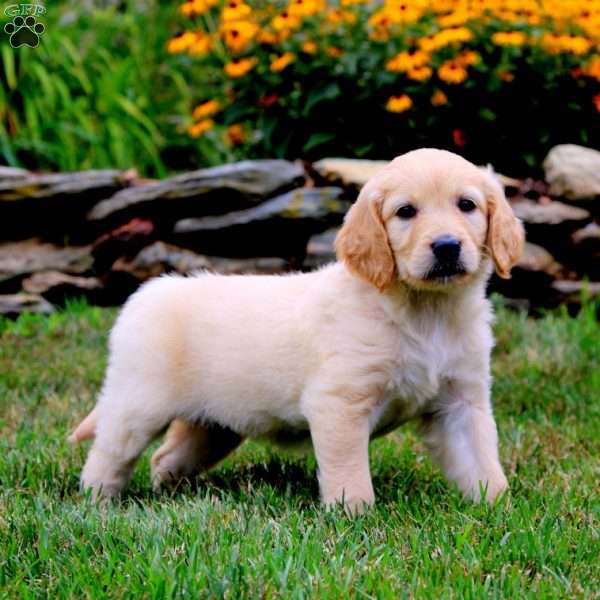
<point x="408" y="211"/>
<point x="466" y="205"/>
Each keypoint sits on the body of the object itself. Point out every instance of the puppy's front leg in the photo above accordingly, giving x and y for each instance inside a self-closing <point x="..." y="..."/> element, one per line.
<point x="341" y="443"/>
<point x="463" y="440"/>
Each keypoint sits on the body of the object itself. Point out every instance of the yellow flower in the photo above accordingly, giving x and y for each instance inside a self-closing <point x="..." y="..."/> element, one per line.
<point x="239" y="68"/>
<point x="452" y="72"/>
<point x="405" y="61"/>
<point x="198" y="129"/>
<point x="235" y="10"/>
<point x="238" y="34"/>
<point x="399" y="104"/>
<point x="281" y="62"/>
<point x="305" y="8"/>
<point x="402" y="12"/>
<point x="267" y="37"/>
<point x="309" y="47"/>
<point x="336" y="16"/>
<point x="574" y="44"/>
<point x="455" y="18"/>
<point x="420" y="73"/>
<point x="439" y="98"/>
<point x="206" y="109"/>
<point x="445" y="37"/>
<point x="509" y="38"/>
<point x="468" y="58"/>
<point x="593" y="68"/>
<point x="285" y="21"/>
<point x="181" y="43"/>
<point x="202" y="44"/>
<point x="196" y="7"/>
<point x="236" y="134"/>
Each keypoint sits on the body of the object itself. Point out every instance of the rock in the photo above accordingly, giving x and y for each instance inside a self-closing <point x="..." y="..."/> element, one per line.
<point x="321" y="249"/>
<point x="53" y="205"/>
<point x="56" y="287"/>
<point x="550" y="213"/>
<point x="576" y="289"/>
<point x="12" y="305"/>
<point x="12" y="173"/>
<point x="20" y="259"/>
<point x="126" y="241"/>
<point x="205" y="192"/>
<point x="573" y="172"/>
<point x="279" y="227"/>
<point x="536" y="258"/>
<point x="350" y="171"/>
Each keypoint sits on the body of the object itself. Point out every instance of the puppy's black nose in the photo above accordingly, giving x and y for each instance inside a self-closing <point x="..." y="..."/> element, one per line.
<point x="446" y="249"/>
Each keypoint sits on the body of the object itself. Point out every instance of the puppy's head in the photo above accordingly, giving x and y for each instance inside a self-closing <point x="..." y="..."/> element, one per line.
<point x="429" y="219"/>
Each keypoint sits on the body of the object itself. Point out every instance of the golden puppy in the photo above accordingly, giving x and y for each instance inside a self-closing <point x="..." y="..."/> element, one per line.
<point x="398" y="329"/>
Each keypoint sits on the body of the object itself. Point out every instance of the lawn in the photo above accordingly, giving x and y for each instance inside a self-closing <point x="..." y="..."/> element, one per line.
<point x="253" y="528"/>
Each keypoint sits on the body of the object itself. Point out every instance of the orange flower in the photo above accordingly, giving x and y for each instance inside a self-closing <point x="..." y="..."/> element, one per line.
<point x="206" y="109"/>
<point x="420" y="73"/>
<point x="200" y="128"/>
<point x="509" y="38"/>
<point x="405" y="61"/>
<point x="238" y="34"/>
<point x="281" y="62"/>
<point x="285" y="21"/>
<point x="452" y="72"/>
<point x="236" y="135"/>
<point x="335" y="52"/>
<point x="506" y="76"/>
<point x="593" y="68"/>
<point x="399" y="104"/>
<point x="439" y="98"/>
<point x="309" y="47"/>
<point x="181" y="43"/>
<point x="235" y="10"/>
<point x="596" y="101"/>
<point x="468" y="58"/>
<point x="305" y="8"/>
<point x="202" y="44"/>
<point x="239" y="68"/>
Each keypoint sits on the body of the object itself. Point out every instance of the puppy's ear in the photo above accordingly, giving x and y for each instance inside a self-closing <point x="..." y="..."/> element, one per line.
<point x="505" y="235"/>
<point x="362" y="243"/>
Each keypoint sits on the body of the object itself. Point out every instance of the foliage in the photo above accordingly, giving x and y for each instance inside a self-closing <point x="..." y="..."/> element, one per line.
<point x="497" y="80"/>
<point x="99" y="91"/>
<point x="253" y="528"/>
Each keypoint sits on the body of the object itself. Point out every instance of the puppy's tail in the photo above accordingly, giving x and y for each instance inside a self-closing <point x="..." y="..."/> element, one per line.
<point x="86" y="429"/>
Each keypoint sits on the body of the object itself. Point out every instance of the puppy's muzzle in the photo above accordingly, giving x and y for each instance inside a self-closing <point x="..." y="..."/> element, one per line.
<point x="446" y="253"/>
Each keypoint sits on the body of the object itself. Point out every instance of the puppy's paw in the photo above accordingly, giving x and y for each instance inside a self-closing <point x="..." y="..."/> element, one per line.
<point x="353" y="505"/>
<point x="100" y="476"/>
<point x="490" y="489"/>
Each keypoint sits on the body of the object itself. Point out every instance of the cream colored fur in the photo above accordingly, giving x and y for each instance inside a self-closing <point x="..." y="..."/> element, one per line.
<point x="341" y="354"/>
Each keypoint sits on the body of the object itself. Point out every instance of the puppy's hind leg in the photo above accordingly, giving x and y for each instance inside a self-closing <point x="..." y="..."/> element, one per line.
<point x="189" y="449"/>
<point x="124" y="430"/>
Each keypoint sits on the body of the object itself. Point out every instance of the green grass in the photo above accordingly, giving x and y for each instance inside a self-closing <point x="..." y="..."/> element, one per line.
<point x="253" y="528"/>
<point x="101" y="91"/>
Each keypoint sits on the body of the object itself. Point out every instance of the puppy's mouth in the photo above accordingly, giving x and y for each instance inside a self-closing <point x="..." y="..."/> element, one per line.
<point x="444" y="272"/>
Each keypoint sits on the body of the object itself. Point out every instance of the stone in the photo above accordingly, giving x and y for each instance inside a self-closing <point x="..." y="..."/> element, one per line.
<point x="573" y="172"/>
<point x="12" y="305"/>
<point x="57" y="287"/>
<point x="549" y="213"/>
<point x="279" y="227"/>
<point x="351" y="171"/>
<point x="53" y="205"/>
<point x="126" y="241"/>
<point x="217" y="190"/>
<point x="536" y="258"/>
<point x="20" y="259"/>
<point x="321" y="249"/>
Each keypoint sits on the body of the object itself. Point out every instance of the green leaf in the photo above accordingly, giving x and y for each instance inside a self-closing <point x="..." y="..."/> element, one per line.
<point x="318" y="139"/>
<point x="330" y="92"/>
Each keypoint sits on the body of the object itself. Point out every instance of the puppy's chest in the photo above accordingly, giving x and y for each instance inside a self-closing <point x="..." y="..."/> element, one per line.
<point x="421" y="367"/>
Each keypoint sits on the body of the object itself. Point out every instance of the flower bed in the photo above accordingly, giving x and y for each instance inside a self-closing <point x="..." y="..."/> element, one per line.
<point x="500" y="81"/>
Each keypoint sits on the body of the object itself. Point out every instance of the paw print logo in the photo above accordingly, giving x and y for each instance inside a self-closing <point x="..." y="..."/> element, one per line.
<point x="24" y="31"/>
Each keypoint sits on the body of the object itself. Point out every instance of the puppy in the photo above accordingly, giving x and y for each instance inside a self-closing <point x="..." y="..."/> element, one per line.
<point x="398" y="329"/>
